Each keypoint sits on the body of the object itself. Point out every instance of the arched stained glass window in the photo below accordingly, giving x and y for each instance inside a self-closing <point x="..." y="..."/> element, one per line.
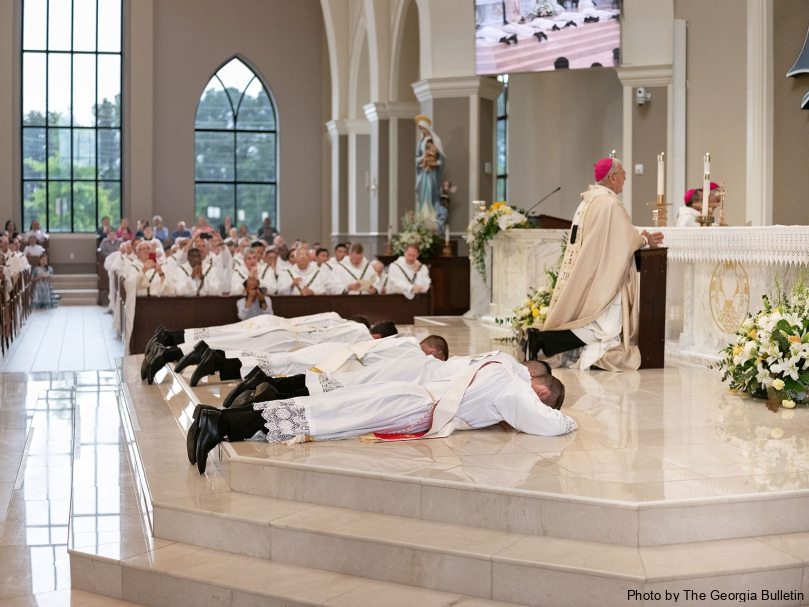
<point x="236" y="141"/>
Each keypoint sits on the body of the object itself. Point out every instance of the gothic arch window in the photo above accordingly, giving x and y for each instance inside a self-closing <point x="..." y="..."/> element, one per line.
<point x="236" y="143"/>
<point x="501" y="142"/>
<point x="71" y="113"/>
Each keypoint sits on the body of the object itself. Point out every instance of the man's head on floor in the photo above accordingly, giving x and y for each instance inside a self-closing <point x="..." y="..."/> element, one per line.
<point x="383" y="329"/>
<point x="549" y="389"/>
<point x="436" y="346"/>
<point x="537" y="368"/>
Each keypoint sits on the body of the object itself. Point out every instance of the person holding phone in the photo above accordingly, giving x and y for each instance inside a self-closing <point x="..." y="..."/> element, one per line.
<point x="255" y="302"/>
<point x="147" y="273"/>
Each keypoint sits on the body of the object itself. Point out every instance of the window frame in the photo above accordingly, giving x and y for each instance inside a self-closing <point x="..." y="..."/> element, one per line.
<point x="501" y="118"/>
<point x="46" y="180"/>
<point x="236" y="131"/>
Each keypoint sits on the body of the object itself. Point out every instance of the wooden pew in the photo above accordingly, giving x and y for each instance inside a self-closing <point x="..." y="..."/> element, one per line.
<point x="103" y="284"/>
<point x="651" y="264"/>
<point x="188" y="312"/>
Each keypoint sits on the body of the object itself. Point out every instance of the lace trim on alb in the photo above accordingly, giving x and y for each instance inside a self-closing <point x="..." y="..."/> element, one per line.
<point x="284" y="419"/>
<point x="328" y="383"/>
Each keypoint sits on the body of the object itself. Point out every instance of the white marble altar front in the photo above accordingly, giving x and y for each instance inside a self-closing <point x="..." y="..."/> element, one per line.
<point x="519" y="260"/>
<point x="717" y="275"/>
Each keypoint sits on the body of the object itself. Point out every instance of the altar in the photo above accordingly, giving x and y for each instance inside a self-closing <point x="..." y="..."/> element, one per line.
<point x="716" y="276"/>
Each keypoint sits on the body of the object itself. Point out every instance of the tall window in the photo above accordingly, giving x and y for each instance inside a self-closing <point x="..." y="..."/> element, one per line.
<point x="502" y="141"/>
<point x="236" y="142"/>
<point x="71" y="113"/>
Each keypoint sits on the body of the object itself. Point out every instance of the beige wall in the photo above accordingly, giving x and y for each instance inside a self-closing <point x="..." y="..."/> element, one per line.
<point x="560" y="124"/>
<point x="648" y="140"/>
<point x="9" y="108"/>
<point x="192" y="39"/>
<point x="791" y="124"/>
<point x="717" y="96"/>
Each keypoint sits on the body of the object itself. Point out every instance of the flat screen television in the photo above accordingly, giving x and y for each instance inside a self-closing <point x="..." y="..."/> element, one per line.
<point x="514" y="36"/>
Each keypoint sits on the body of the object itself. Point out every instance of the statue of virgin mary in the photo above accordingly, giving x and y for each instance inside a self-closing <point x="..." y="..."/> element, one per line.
<point x="429" y="168"/>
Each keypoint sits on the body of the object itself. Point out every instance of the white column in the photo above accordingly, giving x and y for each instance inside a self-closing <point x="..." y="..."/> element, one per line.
<point x="759" y="111"/>
<point x="675" y="189"/>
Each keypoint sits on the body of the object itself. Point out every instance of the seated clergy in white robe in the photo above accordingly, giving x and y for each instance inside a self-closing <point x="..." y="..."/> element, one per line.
<point x="593" y="312"/>
<point x="354" y="273"/>
<point x="252" y="266"/>
<point x="687" y="215"/>
<point x="145" y="275"/>
<point x="305" y="277"/>
<point x="407" y="275"/>
<point x="483" y="396"/>
<point x="196" y="277"/>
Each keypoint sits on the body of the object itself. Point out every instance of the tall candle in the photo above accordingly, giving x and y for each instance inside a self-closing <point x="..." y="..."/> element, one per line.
<point x="706" y="185"/>
<point x="390" y="233"/>
<point x="660" y="174"/>
<point x="446" y="235"/>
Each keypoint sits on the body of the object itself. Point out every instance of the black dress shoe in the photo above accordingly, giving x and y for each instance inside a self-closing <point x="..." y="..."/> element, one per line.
<point x="161" y="335"/>
<point x="513" y="38"/>
<point x="193" y="430"/>
<point x="250" y="382"/>
<point x="162" y="355"/>
<point x="207" y="436"/>
<point x="534" y="338"/>
<point x="263" y="393"/>
<point x="212" y="362"/>
<point x="555" y="28"/>
<point x="192" y="358"/>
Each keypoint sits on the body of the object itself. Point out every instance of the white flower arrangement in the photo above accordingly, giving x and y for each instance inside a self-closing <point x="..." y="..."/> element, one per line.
<point x="770" y="357"/>
<point x="485" y="225"/>
<point x="416" y="231"/>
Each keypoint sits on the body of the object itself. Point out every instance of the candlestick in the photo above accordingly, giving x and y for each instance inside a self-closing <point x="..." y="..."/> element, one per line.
<point x="390" y="233"/>
<point x="706" y="192"/>
<point x="446" y="235"/>
<point x="612" y="154"/>
<point x="661" y="169"/>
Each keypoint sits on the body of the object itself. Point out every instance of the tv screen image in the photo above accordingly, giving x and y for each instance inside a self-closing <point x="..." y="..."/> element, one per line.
<point x="529" y="36"/>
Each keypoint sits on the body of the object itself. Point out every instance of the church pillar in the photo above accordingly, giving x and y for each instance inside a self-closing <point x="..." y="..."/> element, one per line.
<point x="379" y="171"/>
<point x="462" y="110"/>
<point x="339" y="178"/>
<point x="759" y="184"/>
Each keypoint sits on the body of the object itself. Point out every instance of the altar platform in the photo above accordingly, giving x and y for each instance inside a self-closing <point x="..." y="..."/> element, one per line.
<point x="670" y="483"/>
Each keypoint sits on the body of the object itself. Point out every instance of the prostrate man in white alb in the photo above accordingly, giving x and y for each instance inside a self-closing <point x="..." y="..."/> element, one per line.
<point x="305" y="278"/>
<point x="196" y="278"/>
<point x="593" y="313"/>
<point x="254" y="303"/>
<point x="407" y="275"/>
<point x="354" y="274"/>
<point x="483" y="396"/>
<point x="265" y="333"/>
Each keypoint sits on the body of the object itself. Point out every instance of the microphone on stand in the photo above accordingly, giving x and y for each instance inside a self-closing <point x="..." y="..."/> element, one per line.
<point x="543" y="199"/>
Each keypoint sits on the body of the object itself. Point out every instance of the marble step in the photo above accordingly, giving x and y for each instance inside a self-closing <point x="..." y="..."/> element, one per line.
<point x="184" y="575"/>
<point x="365" y="484"/>
<point x="483" y="563"/>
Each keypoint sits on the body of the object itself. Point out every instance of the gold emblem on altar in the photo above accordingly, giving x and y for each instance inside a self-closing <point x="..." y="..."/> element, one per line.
<point x="729" y="295"/>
